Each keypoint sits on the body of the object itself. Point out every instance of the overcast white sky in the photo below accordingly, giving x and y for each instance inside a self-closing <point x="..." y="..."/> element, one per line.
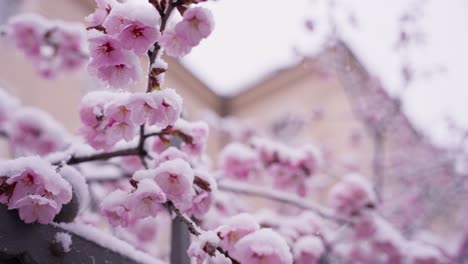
<point x="253" y="38"/>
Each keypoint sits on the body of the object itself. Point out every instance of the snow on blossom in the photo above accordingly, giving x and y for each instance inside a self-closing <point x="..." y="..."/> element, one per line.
<point x="107" y="119"/>
<point x="145" y="229"/>
<point x="308" y="250"/>
<point x="169" y="108"/>
<point x="93" y="105"/>
<point x="204" y="246"/>
<point x="31" y="185"/>
<point x="196" y="25"/>
<point x="175" y="177"/>
<point x="158" y="108"/>
<point x="197" y="133"/>
<point x="101" y="12"/>
<point x="262" y="246"/>
<point x="33" y="131"/>
<point x="290" y="167"/>
<point x="27" y="31"/>
<point x="146" y="200"/>
<point x="129" y="12"/>
<point x="113" y="207"/>
<point x="174" y="44"/>
<point x="304" y="224"/>
<point x="381" y="243"/>
<point x="170" y="154"/>
<point x="53" y="46"/>
<point x="239" y="161"/>
<point x="206" y="187"/>
<point x="136" y="25"/>
<point x="351" y="196"/>
<point x="235" y="228"/>
<point x="116" y="72"/>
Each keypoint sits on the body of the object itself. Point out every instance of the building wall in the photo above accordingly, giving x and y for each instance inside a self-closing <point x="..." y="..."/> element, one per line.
<point x="307" y="92"/>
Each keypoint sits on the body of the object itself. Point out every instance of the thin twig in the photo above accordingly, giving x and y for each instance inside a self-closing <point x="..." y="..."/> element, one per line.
<point x="192" y="227"/>
<point x="246" y="189"/>
<point x="103" y="156"/>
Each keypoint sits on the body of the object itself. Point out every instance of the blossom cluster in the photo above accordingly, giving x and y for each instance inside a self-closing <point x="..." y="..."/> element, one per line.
<point x="352" y="196"/>
<point x="52" y="46"/>
<point x="289" y="167"/>
<point x="29" y="130"/>
<point x="110" y="117"/>
<point x="121" y="32"/>
<point x="172" y="182"/>
<point x="197" y="24"/>
<point x="243" y="240"/>
<point x="34" y="188"/>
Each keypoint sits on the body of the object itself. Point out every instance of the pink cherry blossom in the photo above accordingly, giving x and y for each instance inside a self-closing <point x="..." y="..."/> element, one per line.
<point x="135" y="24"/>
<point x="120" y="130"/>
<point x="204" y="247"/>
<point x="26" y="183"/>
<point x="352" y="195"/>
<point x="37" y="208"/>
<point x="196" y="25"/>
<point x="27" y="31"/>
<point x="106" y="118"/>
<point x="262" y="246"/>
<point x="33" y="186"/>
<point x="53" y="46"/>
<point x="35" y="132"/>
<point x="93" y="105"/>
<point x="198" y="132"/>
<point x="175" y="177"/>
<point x="146" y="200"/>
<point x="236" y="228"/>
<point x="174" y="44"/>
<point x="169" y="108"/>
<point x="114" y="209"/>
<point x="103" y="9"/>
<point x="104" y="49"/>
<point x="205" y="188"/>
<point x="139" y="37"/>
<point x="170" y="154"/>
<point x="117" y="72"/>
<point x="239" y="161"/>
<point x="308" y="250"/>
<point x="142" y="105"/>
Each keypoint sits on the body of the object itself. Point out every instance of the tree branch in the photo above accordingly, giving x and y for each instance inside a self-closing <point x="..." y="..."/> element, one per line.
<point x="103" y="156"/>
<point x="246" y="189"/>
<point x="192" y="227"/>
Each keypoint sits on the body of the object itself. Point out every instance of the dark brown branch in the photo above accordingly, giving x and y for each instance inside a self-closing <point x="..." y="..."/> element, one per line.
<point x="103" y="156"/>
<point x="192" y="227"/>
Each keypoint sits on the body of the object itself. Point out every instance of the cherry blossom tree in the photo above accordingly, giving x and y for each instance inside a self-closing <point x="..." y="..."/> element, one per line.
<point x="138" y="167"/>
